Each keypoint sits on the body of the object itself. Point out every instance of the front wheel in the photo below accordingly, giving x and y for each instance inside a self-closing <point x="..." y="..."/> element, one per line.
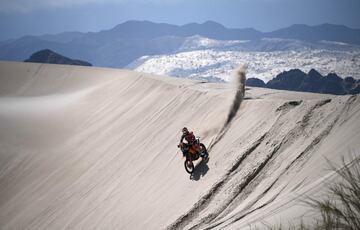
<point x="203" y="150"/>
<point x="189" y="166"/>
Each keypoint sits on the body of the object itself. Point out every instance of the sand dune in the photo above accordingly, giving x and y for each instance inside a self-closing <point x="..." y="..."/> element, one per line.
<point x="95" y="148"/>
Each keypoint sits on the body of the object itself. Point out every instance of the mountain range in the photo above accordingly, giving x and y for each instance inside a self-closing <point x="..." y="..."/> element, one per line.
<point x="297" y="80"/>
<point x="131" y="40"/>
<point x="51" y="57"/>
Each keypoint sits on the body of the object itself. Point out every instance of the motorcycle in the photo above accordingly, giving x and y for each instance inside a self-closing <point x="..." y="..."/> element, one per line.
<point x="193" y="153"/>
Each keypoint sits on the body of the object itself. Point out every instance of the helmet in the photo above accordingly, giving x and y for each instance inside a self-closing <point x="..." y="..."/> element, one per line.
<point x="185" y="130"/>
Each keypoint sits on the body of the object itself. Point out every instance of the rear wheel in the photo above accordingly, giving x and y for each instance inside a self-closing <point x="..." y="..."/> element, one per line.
<point x="189" y="166"/>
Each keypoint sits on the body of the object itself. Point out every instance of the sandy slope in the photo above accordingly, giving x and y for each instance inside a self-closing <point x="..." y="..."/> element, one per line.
<point x="95" y="148"/>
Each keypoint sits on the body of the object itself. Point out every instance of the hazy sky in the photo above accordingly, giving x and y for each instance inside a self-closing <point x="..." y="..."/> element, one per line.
<point x="34" y="17"/>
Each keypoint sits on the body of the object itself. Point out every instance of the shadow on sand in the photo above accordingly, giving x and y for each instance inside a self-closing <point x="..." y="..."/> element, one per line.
<point x="200" y="170"/>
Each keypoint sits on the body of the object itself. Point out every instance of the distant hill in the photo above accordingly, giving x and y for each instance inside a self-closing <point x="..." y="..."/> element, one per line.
<point x="296" y="80"/>
<point x="150" y="30"/>
<point x="126" y="42"/>
<point x="48" y="56"/>
<point x="327" y="32"/>
<point x="255" y="82"/>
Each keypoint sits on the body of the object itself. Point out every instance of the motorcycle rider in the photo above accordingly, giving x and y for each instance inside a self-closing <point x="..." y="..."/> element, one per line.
<point x="190" y="138"/>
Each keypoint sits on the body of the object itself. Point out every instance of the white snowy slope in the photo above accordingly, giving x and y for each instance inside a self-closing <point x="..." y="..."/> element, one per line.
<point x="96" y="148"/>
<point x="197" y="43"/>
<point x="202" y="58"/>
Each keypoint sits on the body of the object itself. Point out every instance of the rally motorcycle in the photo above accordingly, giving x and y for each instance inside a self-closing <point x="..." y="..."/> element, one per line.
<point x="193" y="153"/>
